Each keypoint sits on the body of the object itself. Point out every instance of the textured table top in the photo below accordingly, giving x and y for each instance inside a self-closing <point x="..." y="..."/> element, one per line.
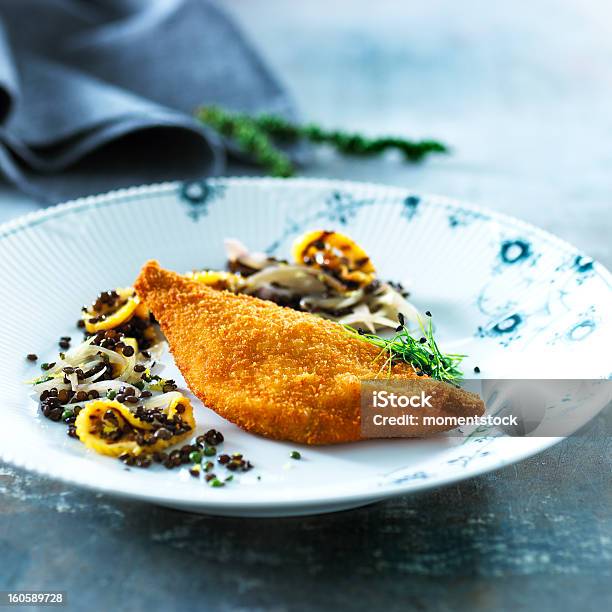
<point x="522" y="93"/>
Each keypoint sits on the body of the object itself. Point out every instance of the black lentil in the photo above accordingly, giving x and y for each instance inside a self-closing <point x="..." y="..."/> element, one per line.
<point x="55" y="414"/>
<point x="200" y="441"/>
<point x="143" y="462"/>
<point x="213" y="437"/>
<point x="163" y="434"/>
<point x="127" y="458"/>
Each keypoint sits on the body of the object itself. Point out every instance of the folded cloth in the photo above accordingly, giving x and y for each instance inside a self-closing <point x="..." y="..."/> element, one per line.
<point x="99" y="94"/>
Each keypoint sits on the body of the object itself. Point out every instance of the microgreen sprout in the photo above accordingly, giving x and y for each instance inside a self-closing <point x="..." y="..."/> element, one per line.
<point x="422" y="352"/>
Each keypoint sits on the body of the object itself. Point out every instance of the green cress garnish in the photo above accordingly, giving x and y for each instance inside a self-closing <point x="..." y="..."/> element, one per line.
<point x="423" y="353"/>
<point x="295" y="455"/>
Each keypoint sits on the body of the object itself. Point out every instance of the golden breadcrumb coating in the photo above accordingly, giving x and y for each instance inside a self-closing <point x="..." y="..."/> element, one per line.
<point x="271" y="370"/>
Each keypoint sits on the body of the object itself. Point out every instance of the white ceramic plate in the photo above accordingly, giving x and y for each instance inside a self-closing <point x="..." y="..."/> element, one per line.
<point x="517" y="300"/>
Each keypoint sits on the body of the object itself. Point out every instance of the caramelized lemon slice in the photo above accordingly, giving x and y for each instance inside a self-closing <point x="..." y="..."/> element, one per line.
<point x="187" y="413"/>
<point x="130" y="306"/>
<point x="108" y="427"/>
<point x="335" y="254"/>
<point x="216" y="279"/>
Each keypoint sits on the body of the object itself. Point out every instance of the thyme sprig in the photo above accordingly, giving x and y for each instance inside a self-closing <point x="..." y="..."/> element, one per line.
<point x="422" y="353"/>
<point x="257" y="135"/>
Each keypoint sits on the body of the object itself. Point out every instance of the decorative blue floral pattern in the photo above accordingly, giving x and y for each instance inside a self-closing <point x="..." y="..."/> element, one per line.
<point x="505" y="330"/>
<point x="464" y="460"/>
<point x="339" y="207"/>
<point x="465" y="217"/>
<point x="582" y="327"/>
<point x="513" y="251"/>
<point x="342" y="206"/>
<point x="410" y="477"/>
<point x="410" y="207"/>
<point x="581" y="266"/>
<point x="198" y="194"/>
<point x="581" y="330"/>
<point x="471" y="450"/>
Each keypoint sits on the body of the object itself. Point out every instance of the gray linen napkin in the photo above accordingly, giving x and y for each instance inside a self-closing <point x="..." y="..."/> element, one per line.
<point x="99" y="94"/>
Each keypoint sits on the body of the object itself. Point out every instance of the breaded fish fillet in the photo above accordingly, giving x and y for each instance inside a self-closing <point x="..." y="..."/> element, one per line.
<point x="271" y="370"/>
